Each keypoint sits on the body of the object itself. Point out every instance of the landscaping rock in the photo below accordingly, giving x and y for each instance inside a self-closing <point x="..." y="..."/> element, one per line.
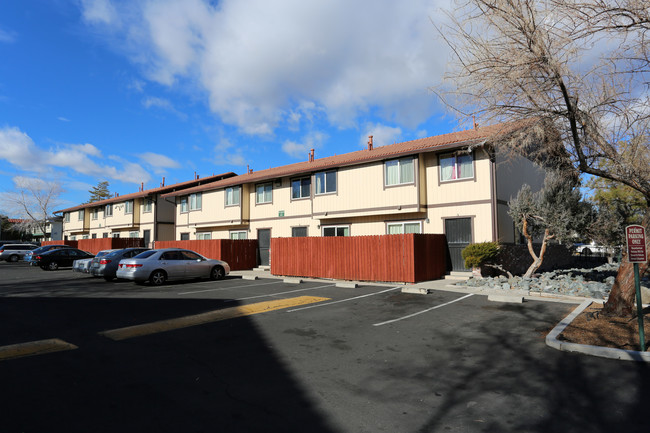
<point x="590" y="283"/>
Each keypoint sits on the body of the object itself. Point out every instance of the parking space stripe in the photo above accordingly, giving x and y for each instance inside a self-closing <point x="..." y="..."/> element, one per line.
<point x="423" y="311"/>
<point x="278" y="293"/>
<point x="209" y="317"/>
<point x="343" y="300"/>
<point x="32" y="348"/>
<point x="232" y="288"/>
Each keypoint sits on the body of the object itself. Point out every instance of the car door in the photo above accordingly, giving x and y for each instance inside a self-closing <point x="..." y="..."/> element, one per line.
<point x="68" y="256"/>
<point x="195" y="266"/>
<point x="173" y="264"/>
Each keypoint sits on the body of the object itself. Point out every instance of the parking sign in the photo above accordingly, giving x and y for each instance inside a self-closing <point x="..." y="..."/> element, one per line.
<point x="636" y="246"/>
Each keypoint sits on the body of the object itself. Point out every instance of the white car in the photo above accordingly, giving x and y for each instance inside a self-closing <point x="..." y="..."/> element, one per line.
<point x="83" y="265"/>
<point x="13" y="252"/>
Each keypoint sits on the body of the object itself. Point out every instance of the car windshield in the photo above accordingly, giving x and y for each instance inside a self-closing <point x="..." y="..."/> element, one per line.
<point x="145" y="254"/>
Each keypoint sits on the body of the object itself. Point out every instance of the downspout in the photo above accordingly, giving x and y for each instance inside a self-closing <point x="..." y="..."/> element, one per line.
<point x="493" y="193"/>
<point x="155" y="222"/>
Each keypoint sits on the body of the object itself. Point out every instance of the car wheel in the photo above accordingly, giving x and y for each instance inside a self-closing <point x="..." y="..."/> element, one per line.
<point x="13" y="258"/>
<point x="53" y="266"/>
<point x="217" y="273"/>
<point x="586" y="252"/>
<point x="158" y="278"/>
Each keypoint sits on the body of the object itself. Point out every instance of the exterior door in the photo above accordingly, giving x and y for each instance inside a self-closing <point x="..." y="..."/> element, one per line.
<point x="263" y="246"/>
<point x="147" y="237"/>
<point x="459" y="235"/>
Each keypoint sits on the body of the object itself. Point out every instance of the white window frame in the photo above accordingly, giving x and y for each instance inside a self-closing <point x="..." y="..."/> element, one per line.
<point x="203" y="236"/>
<point x="233" y="195"/>
<point x="80" y="214"/>
<point x="128" y="207"/>
<point x="94" y="213"/>
<point x="196" y="201"/>
<point x="66" y="217"/>
<point x="183" y="204"/>
<point x="337" y="227"/>
<point x="238" y="234"/>
<point x="455" y="167"/>
<point x="147" y="206"/>
<point x="300" y="185"/>
<point x="134" y="234"/>
<point x="401" y="179"/>
<point x="321" y="180"/>
<point x="108" y="210"/>
<point x="402" y="224"/>
<point x="267" y="195"/>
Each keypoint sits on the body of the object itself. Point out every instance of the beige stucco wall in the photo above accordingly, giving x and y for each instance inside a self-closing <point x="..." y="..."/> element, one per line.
<point x="361" y="192"/>
<point x="459" y="191"/>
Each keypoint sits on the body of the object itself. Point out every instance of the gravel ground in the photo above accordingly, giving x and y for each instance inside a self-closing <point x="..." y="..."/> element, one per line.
<point x="589" y="283"/>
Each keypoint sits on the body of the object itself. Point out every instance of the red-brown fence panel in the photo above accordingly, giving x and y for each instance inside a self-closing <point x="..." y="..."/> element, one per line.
<point x="240" y="254"/>
<point x="398" y="258"/>
<point x="73" y="244"/>
<point x="98" y="244"/>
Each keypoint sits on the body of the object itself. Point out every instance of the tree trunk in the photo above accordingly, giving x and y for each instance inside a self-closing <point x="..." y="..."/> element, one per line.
<point x="537" y="260"/>
<point x="623" y="294"/>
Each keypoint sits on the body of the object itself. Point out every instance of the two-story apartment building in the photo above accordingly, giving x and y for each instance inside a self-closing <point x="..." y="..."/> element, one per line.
<point x="430" y="185"/>
<point x="144" y="214"/>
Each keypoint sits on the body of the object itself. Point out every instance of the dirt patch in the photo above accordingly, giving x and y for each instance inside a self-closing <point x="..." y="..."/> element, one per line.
<point x="594" y="329"/>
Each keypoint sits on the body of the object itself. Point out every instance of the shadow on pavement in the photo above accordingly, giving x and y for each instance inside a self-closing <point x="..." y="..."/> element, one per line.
<point x="221" y="376"/>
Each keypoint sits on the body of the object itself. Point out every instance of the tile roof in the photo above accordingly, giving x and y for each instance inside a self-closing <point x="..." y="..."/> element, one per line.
<point x="148" y="192"/>
<point x="452" y="140"/>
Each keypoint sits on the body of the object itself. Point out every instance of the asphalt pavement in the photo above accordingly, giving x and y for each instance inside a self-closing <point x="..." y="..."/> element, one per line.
<point x="362" y="359"/>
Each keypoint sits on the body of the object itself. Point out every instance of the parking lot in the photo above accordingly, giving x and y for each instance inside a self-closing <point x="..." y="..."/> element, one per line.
<point x="264" y="355"/>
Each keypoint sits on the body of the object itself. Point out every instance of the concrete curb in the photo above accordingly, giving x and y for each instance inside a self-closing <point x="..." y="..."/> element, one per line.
<point x="602" y="352"/>
<point x="506" y="298"/>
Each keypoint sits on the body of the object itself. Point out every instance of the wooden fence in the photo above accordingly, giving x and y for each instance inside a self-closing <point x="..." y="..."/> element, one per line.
<point x="240" y="254"/>
<point x="96" y="245"/>
<point x="406" y="258"/>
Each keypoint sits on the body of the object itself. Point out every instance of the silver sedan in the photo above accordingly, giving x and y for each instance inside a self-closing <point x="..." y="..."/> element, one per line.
<point x="158" y="266"/>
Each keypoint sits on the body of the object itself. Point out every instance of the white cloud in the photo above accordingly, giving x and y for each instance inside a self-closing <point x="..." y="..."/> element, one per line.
<point x="313" y="140"/>
<point x="260" y="60"/>
<point x="99" y="11"/>
<point x="17" y="148"/>
<point x="159" y="163"/>
<point x="63" y="119"/>
<point x="226" y="153"/>
<point x="382" y="135"/>
<point x="7" y="37"/>
<point x="163" y="104"/>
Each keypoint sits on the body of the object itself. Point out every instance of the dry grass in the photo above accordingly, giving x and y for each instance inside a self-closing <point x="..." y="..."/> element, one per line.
<point x="592" y="328"/>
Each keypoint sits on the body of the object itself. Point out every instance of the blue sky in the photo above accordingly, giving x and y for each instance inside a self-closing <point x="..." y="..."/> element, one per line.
<point x="131" y="91"/>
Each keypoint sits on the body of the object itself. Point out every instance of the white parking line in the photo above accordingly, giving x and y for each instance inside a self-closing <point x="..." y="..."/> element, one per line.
<point x="423" y="311"/>
<point x="226" y="288"/>
<point x="343" y="300"/>
<point x="279" y="293"/>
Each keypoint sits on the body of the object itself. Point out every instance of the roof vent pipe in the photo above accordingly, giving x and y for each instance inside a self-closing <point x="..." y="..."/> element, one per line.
<point x="370" y="142"/>
<point x="163" y="182"/>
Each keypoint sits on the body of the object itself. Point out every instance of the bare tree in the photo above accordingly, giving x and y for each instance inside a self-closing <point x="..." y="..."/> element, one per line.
<point x="32" y="200"/>
<point x="577" y="70"/>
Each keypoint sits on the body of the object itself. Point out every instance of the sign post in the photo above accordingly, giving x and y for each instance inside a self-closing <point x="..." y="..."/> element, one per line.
<point x="636" y="253"/>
